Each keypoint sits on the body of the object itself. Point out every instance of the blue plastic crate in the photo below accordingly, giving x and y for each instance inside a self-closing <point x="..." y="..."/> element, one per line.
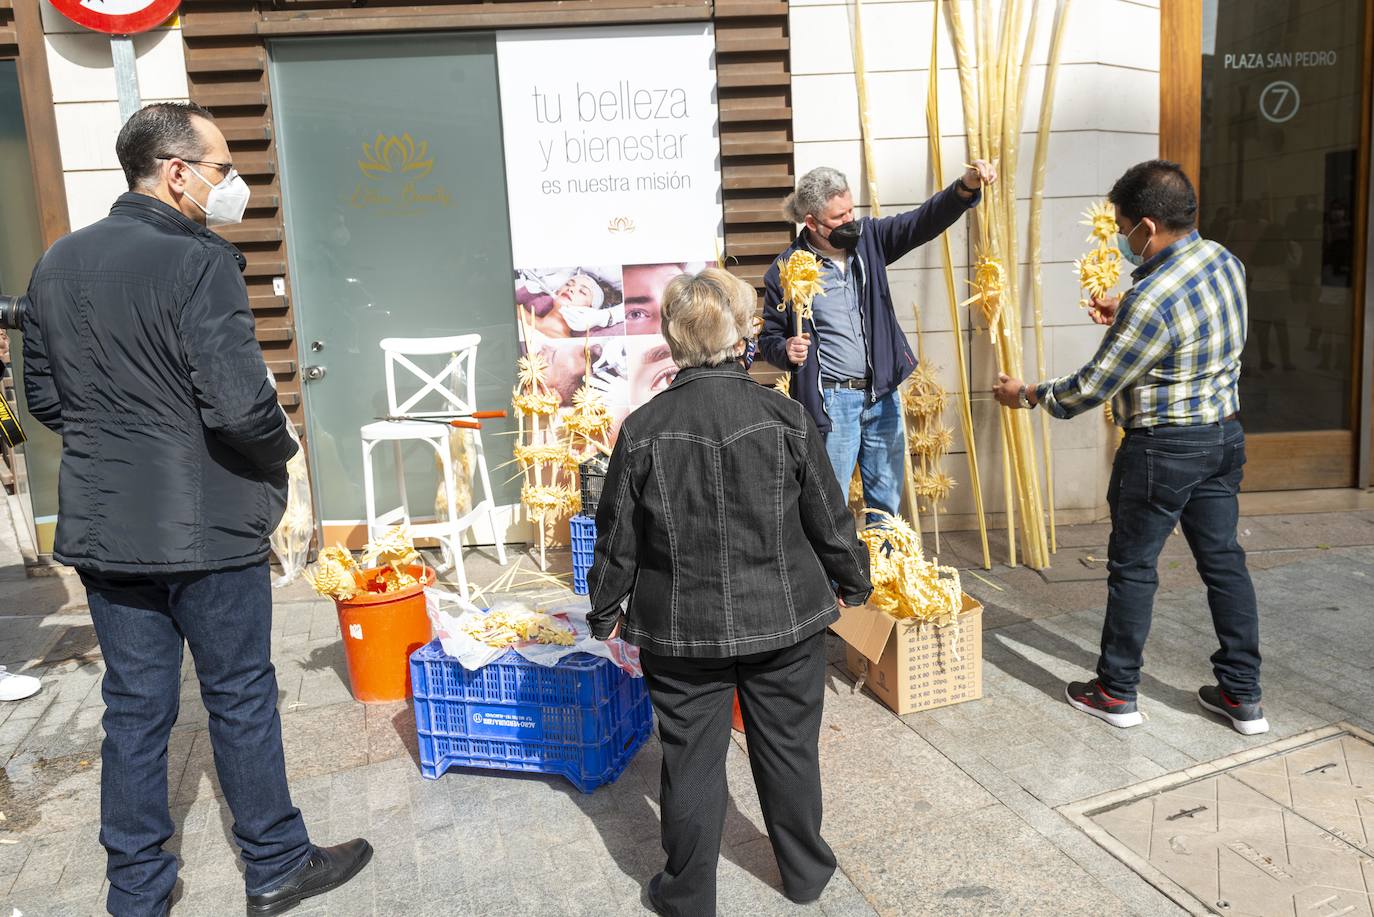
<point x="583" y="529"/>
<point x="583" y="719"/>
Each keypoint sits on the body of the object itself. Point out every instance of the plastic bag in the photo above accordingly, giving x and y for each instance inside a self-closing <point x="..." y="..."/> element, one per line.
<point x="449" y="613"/>
<point x="625" y="655"/>
<point x="291" y="541"/>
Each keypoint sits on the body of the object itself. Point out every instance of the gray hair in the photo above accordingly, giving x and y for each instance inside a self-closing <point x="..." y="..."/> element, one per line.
<point x="705" y="316"/>
<point x="814" y="191"/>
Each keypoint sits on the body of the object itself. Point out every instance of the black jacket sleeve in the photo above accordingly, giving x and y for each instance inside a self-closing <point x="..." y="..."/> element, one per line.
<point x="40" y="390"/>
<point x="897" y="235"/>
<point x="616" y="560"/>
<point x="826" y="519"/>
<point x="236" y="399"/>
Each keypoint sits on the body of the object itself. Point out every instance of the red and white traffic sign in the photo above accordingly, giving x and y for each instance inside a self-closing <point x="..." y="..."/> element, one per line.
<point x="117" y="17"/>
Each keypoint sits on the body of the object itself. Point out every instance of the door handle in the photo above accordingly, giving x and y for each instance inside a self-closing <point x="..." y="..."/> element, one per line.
<point x="314" y="373"/>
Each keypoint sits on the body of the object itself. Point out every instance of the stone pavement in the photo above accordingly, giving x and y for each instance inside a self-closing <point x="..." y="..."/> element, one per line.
<point x="951" y="811"/>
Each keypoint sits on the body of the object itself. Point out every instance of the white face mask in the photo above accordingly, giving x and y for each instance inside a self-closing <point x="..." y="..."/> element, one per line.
<point x="584" y="318"/>
<point x="227" y="201"/>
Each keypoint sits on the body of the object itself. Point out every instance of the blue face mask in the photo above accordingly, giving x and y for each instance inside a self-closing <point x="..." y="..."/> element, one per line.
<point x="1123" y="245"/>
<point x="751" y="349"/>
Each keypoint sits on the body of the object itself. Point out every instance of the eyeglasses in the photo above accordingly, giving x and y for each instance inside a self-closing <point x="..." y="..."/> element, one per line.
<point x="223" y="167"/>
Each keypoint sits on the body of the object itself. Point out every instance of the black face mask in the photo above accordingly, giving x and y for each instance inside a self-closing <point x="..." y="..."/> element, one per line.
<point x="845" y="236"/>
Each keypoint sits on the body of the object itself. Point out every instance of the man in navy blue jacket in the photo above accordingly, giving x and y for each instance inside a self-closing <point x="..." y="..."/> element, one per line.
<point x="850" y="359"/>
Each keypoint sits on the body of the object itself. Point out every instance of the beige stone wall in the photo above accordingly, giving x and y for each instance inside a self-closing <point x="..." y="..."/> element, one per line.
<point x="84" y="96"/>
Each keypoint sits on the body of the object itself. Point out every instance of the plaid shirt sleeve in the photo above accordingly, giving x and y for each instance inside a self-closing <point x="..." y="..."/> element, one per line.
<point x="1136" y="341"/>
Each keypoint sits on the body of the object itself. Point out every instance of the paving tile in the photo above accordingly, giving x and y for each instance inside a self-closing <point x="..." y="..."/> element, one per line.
<point x="988" y="862"/>
<point x="293" y="618"/>
<point x="842" y="899"/>
<point x="45" y="863"/>
<point x="1270" y="837"/>
<point x="391" y="733"/>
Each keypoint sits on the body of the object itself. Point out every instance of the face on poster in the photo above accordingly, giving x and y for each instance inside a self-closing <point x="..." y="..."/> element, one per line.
<point x="626" y="359"/>
<point x="571" y="302"/>
<point x="613" y="178"/>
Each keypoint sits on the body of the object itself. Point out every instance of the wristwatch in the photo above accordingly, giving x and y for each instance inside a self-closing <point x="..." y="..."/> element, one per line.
<point x="1024" y="401"/>
<point x="960" y="182"/>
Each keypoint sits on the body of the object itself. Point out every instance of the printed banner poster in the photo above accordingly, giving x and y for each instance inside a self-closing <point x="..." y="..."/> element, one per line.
<point x="613" y="177"/>
<point x="611" y="142"/>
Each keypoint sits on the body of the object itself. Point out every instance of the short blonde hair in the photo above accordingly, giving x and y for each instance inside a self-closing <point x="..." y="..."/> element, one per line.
<point x="705" y="316"/>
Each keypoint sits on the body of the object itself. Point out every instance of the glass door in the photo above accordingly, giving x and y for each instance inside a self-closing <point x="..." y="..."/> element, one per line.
<point x="1284" y="89"/>
<point x="35" y="464"/>
<point x="395" y="195"/>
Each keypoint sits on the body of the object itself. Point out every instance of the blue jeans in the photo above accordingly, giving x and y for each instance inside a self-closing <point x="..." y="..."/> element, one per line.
<point x="142" y="624"/>
<point x="1186" y="476"/>
<point x="872" y="435"/>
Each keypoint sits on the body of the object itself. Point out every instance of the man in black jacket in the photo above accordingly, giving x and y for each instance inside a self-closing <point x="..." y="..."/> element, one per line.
<point x="139" y="351"/>
<point x="852" y="355"/>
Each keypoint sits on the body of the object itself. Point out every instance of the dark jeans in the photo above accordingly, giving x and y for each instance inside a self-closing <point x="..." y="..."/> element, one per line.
<point x="142" y="624"/>
<point x="781" y="694"/>
<point x="1186" y="476"/>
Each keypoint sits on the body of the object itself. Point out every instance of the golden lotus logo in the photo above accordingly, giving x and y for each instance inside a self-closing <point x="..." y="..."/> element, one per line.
<point x="396" y="154"/>
<point x="621" y="224"/>
<point x="394" y="167"/>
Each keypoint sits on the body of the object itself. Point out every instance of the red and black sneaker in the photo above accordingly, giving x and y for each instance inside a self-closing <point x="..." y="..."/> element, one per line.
<point x="1090" y="697"/>
<point x="1247" y="718"/>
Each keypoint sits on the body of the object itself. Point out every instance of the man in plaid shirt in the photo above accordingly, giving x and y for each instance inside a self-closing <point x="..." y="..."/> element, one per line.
<point x="1170" y="364"/>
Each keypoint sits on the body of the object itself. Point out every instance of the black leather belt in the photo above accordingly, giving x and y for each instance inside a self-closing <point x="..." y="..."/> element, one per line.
<point x="861" y="384"/>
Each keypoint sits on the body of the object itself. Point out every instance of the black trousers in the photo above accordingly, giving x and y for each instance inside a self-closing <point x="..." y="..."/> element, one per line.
<point x="780" y="694"/>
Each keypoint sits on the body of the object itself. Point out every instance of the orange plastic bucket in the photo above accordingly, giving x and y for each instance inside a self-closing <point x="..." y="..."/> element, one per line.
<point x="737" y="721"/>
<point x="379" y="634"/>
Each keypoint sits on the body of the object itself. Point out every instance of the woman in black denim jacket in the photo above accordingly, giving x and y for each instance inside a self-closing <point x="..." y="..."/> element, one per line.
<point x="722" y="523"/>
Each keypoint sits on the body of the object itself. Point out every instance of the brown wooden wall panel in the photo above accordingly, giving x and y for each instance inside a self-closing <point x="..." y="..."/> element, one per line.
<point x="9" y="38"/>
<point x="1180" y="84"/>
<point x="1299" y="461"/>
<point x="226" y="63"/>
<point x="268" y="305"/>
<point x="227" y="70"/>
<point x="212" y="60"/>
<point x="216" y="19"/>
<point x="753" y="67"/>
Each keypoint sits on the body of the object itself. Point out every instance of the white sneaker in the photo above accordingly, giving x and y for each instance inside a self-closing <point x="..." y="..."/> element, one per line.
<point x="17" y="687"/>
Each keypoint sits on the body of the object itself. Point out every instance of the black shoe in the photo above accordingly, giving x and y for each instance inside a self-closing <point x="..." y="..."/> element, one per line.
<point x="1089" y="697"/>
<point x="327" y="869"/>
<point x="1248" y="719"/>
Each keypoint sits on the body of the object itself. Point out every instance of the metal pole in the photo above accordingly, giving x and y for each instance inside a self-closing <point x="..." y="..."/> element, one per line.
<point x="126" y="75"/>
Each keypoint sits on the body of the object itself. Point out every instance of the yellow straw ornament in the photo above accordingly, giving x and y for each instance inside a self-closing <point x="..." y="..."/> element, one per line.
<point x="800" y="278"/>
<point x="1101" y="216"/>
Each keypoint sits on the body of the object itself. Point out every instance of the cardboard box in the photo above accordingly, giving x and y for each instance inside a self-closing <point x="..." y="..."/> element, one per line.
<point x="912" y="668"/>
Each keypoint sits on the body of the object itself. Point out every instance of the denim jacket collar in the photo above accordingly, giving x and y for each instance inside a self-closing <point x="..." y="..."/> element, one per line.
<point x="729" y="369"/>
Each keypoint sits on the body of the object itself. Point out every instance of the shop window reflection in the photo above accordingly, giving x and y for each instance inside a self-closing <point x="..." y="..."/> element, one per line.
<point x="35" y="464"/>
<point x="1280" y="138"/>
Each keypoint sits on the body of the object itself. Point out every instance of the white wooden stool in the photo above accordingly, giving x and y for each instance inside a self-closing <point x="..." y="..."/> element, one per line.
<point x="444" y="388"/>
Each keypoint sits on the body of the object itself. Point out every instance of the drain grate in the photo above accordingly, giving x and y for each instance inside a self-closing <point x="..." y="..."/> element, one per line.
<point x="1283" y="831"/>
